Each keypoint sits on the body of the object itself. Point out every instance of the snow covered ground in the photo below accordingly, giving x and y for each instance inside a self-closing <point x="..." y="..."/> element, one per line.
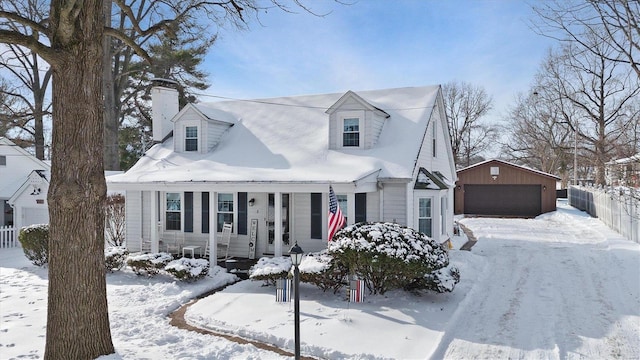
<point x="562" y="286"/>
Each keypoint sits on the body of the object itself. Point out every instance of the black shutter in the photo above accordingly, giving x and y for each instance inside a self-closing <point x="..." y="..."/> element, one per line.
<point x="316" y="215"/>
<point x="242" y="213"/>
<point x="361" y="207"/>
<point x="205" y="212"/>
<point x="188" y="211"/>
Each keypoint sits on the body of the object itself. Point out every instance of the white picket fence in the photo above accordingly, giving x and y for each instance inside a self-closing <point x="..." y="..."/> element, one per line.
<point x="620" y="210"/>
<point x="8" y="237"/>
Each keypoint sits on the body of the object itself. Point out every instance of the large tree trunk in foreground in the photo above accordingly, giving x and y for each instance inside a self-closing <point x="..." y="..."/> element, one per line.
<point x="77" y="316"/>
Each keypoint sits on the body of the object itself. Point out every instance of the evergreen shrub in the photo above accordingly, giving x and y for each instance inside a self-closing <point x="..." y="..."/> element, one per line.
<point x="34" y="240"/>
<point x="389" y="256"/>
<point x="321" y="270"/>
<point x="148" y="264"/>
<point x="270" y="269"/>
<point x="186" y="269"/>
<point x="115" y="258"/>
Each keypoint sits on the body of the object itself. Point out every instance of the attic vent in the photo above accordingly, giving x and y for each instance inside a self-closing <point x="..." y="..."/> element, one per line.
<point x="495" y="171"/>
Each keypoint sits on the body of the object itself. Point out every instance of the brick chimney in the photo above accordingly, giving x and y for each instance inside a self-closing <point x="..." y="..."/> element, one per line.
<point x="164" y="106"/>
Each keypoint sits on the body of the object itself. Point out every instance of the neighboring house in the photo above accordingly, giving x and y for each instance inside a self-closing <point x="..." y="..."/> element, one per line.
<point x="496" y="187"/>
<point x="29" y="202"/>
<point x="24" y="180"/>
<point x="386" y="153"/>
<point x="624" y="172"/>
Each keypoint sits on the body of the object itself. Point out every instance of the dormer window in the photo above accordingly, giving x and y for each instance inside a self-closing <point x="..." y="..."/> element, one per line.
<point x="191" y="138"/>
<point x="354" y="123"/>
<point x="351" y="132"/>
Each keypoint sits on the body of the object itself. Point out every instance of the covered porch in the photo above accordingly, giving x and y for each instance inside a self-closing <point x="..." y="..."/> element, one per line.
<point x="179" y="218"/>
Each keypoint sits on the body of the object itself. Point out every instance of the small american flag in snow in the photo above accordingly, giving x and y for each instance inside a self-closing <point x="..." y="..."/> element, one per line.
<point x="336" y="219"/>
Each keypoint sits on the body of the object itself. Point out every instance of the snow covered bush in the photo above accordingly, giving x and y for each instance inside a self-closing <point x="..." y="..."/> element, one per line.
<point x="389" y="256"/>
<point x="441" y="280"/>
<point x="187" y="269"/>
<point x="270" y="269"/>
<point x="34" y="240"/>
<point x="115" y="257"/>
<point x="148" y="264"/>
<point x="321" y="270"/>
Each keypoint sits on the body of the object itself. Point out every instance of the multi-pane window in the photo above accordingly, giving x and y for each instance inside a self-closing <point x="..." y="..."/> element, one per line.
<point x="173" y="211"/>
<point x="351" y="132"/>
<point x="342" y="202"/>
<point x="424" y="216"/>
<point x="225" y="210"/>
<point x="191" y="138"/>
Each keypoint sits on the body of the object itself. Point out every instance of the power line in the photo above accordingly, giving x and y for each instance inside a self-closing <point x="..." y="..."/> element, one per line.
<point x="265" y="102"/>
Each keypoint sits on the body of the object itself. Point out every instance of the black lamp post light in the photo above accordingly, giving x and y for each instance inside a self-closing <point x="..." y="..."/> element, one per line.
<point x="296" y="257"/>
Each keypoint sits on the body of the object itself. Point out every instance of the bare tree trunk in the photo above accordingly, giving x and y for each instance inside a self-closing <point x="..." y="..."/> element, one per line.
<point x="39" y="92"/>
<point x="77" y="316"/>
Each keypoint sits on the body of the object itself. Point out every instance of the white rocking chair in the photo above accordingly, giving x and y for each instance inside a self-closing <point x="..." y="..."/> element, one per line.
<point x="225" y="239"/>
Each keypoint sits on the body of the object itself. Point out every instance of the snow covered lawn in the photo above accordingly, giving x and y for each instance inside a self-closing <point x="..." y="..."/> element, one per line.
<point x="562" y="286"/>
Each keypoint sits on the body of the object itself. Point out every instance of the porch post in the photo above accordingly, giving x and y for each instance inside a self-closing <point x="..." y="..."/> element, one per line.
<point x="277" y="224"/>
<point x="213" y="230"/>
<point x="155" y="241"/>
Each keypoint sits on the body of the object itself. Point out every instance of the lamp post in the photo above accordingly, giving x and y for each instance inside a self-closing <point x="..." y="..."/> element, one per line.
<point x="296" y="257"/>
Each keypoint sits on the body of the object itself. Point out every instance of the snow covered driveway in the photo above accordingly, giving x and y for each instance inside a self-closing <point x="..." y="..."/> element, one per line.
<point x="552" y="288"/>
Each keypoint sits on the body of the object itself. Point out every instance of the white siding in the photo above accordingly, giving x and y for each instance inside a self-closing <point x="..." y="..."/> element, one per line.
<point x="373" y="206"/>
<point x="374" y="128"/>
<point x="132" y="220"/>
<point x="442" y="162"/>
<point x="395" y="203"/>
<point x="214" y="134"/>
<point x="301" y="217"/>
<point x="333" y="131"/>
<point x="145" y="211"/>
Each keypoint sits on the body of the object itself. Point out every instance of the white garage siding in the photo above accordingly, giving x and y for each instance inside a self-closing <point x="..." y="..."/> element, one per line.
<point x="31" y="216"/>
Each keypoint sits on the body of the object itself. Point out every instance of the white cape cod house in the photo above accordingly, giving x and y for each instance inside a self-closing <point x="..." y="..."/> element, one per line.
<point x="266" y="166"/>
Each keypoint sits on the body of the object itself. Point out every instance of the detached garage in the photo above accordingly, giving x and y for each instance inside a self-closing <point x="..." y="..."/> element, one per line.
<point x="499" y="188"/>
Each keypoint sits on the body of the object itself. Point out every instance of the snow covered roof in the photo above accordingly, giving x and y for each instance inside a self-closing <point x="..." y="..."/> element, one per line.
<point x="287" y="140"/>
<point x="509" y="164"/>
<point x="629" y="160"/>
<point x="16" y="171"/>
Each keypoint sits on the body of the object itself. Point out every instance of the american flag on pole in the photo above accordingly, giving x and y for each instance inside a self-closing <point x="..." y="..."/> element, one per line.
<point x="336" y="219"/>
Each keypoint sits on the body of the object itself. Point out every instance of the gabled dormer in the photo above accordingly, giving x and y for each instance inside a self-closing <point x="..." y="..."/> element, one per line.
<point x="198" y="129"/>
<point x="354" y="123"/>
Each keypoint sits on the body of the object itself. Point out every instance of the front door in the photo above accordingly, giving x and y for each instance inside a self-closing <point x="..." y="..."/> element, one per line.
<point x="286" y="216"/>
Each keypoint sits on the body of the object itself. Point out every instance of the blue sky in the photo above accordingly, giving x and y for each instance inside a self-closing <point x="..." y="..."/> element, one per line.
<point x="376" y="44"/>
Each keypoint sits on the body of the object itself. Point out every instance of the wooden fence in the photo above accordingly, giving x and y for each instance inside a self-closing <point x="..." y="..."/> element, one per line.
<point x="8" y="237"/>
<point x="618" y="208"/>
